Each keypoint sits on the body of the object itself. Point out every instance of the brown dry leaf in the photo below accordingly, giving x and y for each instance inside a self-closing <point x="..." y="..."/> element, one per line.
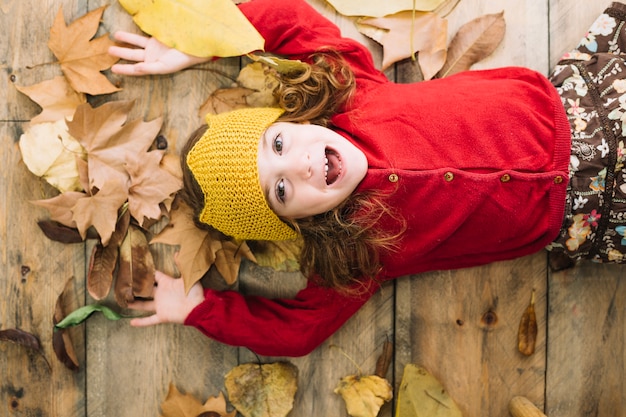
<point x="150" y="184"/>
<point x="224" y="100"/>
<point x="100" y="210"/>
<point x="266" y="390"/>
<point x="421" y="394"/>
<point x="364" y="395"/>
<point x="177" y="404"/>
<point x="61" y="339"/>
<point x="108" y="138"/>
<point x="384" y="360"/>
<point x="82" y="58"/>
<point x="473" y="42"/>
<point x="195" y="256"/>
<point x="104" y="260"/>
<point x="60" y="207"/>
<point x="56" y="97"/>
<point x="135" y="275"/>
<point x="59" y="233"/>
<point x="527" y="333"/>
<point x="405" y="33"/>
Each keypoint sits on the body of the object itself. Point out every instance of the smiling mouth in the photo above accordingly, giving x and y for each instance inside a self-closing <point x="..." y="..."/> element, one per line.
<point x="332" y="166"/>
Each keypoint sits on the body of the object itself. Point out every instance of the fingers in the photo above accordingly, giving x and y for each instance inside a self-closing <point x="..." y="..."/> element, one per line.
<point x="131" y="38"/>
<point x="145" y="321"/>
<point x="129" y="54"/>
<point x="142" y="305"/>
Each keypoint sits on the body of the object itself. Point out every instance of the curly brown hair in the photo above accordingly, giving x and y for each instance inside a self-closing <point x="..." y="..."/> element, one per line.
<point x="343" y="245"/>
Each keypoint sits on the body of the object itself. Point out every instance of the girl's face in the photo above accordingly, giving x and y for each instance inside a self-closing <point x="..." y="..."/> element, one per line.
<point x="307" y="169"/>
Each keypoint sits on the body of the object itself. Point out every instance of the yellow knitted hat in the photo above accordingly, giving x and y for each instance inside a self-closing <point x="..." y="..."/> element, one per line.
<point x="224" y="163"/>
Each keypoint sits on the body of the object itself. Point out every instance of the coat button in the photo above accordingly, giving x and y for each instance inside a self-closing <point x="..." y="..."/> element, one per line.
<point x="393" y="177"/>
<point x="558" y="179"/>
<point x="448" y="176"/>
<point x="505" y="178"/>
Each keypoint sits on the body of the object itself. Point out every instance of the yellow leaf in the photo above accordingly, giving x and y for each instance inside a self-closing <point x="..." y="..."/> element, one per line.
<point x="197" y="27"/>
<point x="255" y="77"/>
<point x="421" y="395"/>
<point x="281" y="255"/>
<point x="364" y="395"/>
<point x="266" y="390"/>
<point x="405" y="33"/>
<point x="57" y="165"/>
<point x="382" y="8"/>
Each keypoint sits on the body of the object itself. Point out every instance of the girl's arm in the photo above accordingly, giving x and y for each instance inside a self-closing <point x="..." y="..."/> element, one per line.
<point x="271" y="327"/>
<point x="290" y="27"/>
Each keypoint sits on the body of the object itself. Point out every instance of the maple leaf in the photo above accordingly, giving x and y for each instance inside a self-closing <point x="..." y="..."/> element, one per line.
<point x="56" y="97"/>
<point x="195" y="256"/>
<point x="150" y="184"/>
<point x="82" y="58"/>
<point x="405" y="33"/>
<point x="177" y="404"/>
<point x="60" y="207"/>
<point x="105" y="134"/>
<point x="100" y="210"/>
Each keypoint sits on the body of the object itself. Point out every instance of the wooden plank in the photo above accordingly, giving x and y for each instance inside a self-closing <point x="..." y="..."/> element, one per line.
<point x="585" y="374"/>
<point x="462" y="326"/>
<point x="587" y="328"/>
<point x="34" y="269"/>
<point x="130" y="369"/>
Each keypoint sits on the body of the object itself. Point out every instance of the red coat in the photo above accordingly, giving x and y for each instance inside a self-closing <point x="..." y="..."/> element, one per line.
<point x="476" y="163"/>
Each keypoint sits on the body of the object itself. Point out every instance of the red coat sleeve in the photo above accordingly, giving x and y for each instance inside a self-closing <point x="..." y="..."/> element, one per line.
<point x="277" y="327"/>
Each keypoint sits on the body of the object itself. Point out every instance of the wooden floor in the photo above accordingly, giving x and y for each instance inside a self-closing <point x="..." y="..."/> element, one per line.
<point x="461" y="325"/>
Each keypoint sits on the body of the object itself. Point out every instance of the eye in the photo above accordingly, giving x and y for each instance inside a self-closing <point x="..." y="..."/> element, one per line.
<point x="278" y="144"/>
<point x="280" y="191"/>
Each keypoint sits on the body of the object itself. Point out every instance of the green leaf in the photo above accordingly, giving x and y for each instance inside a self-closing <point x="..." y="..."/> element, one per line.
<point x="81" y="314"/>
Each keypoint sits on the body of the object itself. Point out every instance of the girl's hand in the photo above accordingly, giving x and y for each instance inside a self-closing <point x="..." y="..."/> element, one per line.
<point x="170" y="304"/>
<point x="150" y="56"/>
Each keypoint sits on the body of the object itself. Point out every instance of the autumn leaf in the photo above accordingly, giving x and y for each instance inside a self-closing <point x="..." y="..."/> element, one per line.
<point x="228" y="259"/>
<point x="266" y="390"/>
<point x="135" y="276"/>
<point x="527" y="332"/>
<point x="61" y="340"/>
<point x="225" y="99"/>
<point x="56" y="97"/>
<point x="57" y="165"/>
<point x="473" y="42"/>
<point x="382" y="8"/>
<point x="150" y="184"/>
<point x="25" y="339"/>
<point x="100" y="210"/>
<point x="421" y="394"/>
<point x="205" y="28"/>
<point x="82" y="58"/>
<point x="364" y="395"/>
<point x="256" y="77"/>
<point x="103" y="260"/>
<point x="406" y="33"/>
<point x="60" y="207"/>
<point x="107" y="137"/>
<point x="280" y="255"/>
<point x="177" y="404"/>
<point x="59" y="233"/>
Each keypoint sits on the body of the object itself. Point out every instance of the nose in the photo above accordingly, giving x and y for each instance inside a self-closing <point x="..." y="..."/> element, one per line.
<point x="301" y="166"/>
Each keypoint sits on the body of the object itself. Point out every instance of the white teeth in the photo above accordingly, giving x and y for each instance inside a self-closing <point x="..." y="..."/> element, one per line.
<point x="326" y="168"/>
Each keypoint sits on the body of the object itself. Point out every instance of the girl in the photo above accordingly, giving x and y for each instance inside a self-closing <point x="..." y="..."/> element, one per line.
<point x="383" y="180"/>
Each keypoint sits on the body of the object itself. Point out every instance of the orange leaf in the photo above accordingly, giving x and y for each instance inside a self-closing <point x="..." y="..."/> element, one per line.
<point x="186" y="405"/>
<point x="100" y="210"/>
<point x="195" y="256"/>
<point x="150" y="184"/>
<point x="60" y="207"/>
<point x="56" y="97"/>
<point x="82" y="58"/>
